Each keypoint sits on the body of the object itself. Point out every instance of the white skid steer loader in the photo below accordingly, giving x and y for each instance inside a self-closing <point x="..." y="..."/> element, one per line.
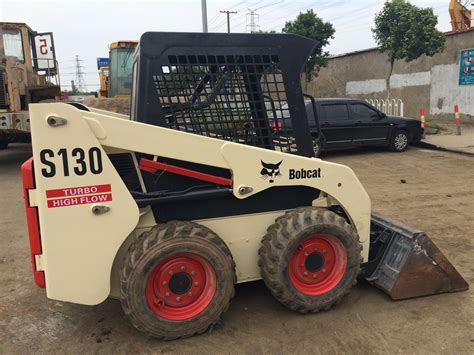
<point x="200" y="189"/>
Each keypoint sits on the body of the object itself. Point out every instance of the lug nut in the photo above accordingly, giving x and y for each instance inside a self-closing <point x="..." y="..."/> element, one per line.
<point x="315" y="276"/>
<point x="324" y="270"/>
<point x="305" y="254"/>
<point x="183" y="268"/>
<point x="190" y="294"/>
<point x="302" y="264"/>
<point x="196" y="284"/>
<point x="170" y="272"/>
<point x="193" y="273"/>
<point x="164" y="283"/>
<point x="167" y="294"/>
<point x="305" y="273"/>
<point x="178" y="299"/>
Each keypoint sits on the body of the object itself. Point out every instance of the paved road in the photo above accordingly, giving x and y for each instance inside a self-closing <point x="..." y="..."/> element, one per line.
<point x="438" y="197"/>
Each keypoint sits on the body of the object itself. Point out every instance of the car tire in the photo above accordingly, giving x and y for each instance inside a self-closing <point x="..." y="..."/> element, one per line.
<point x="399" y="141"/>
<point x="3" y="144"/>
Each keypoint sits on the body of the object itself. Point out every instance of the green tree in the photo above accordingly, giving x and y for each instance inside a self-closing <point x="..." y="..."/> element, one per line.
<point x="406" y="31"/>
<point x="308" y="24"/>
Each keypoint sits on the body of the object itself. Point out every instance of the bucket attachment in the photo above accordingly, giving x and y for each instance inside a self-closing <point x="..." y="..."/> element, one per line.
<point x="405" y="263"/>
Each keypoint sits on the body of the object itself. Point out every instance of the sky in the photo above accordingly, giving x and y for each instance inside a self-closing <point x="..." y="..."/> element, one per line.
<point x="86" y="27"/>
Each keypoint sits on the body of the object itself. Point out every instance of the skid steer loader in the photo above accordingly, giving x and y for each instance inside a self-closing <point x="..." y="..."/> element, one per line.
<point x="196" y="191"/>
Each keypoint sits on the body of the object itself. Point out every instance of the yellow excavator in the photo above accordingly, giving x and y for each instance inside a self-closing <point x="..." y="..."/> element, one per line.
<point x="460" y="16"/>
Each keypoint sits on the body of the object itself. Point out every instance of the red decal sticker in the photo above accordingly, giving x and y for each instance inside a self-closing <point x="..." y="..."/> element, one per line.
<point x="78" y="191"/>
<point x="79" y="200"/>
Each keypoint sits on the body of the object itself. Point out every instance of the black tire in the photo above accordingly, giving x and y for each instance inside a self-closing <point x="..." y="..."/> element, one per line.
<point x="280" y="244"/>
<point x="4" y="144"/>
<point x="399" y="141"/>
<point x="161" y="243"/>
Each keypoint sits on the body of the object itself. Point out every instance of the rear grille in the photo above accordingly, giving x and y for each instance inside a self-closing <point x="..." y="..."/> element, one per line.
<point x="3" y="94"/>
<point x="123" y="163"/>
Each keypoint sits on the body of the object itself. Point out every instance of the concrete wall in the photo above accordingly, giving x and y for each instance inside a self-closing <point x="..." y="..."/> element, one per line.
<point x="429" y="82"/>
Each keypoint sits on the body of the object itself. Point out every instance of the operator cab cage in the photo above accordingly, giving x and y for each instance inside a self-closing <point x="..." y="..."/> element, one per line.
<point x="227" y="86"/>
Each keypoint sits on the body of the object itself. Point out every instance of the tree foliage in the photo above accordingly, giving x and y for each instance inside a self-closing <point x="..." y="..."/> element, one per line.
<point x="406" y="31"/>
<point x="308" y="24"/>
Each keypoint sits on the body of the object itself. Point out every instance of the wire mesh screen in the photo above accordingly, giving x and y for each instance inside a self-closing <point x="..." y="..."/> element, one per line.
<point x="239" y="98"/>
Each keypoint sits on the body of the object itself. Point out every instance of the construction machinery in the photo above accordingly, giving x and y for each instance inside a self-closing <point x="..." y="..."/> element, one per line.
<point x="119" y="79"/>
<point x="169" y="208"/>
<point x="28" y="74"/>
<point x="461" y="16"/>
<point x="103" y="66"/>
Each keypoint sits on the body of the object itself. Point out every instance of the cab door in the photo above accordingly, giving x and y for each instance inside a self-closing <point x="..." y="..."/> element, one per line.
<point x="336" y="125"/>
<point x="371" y="126"/>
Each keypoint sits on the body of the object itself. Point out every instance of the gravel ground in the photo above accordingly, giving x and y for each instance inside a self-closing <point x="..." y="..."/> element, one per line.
<point x="437" y="196"/>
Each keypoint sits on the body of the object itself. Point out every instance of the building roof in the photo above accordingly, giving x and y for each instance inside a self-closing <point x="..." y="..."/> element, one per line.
<point x="450" y="33"/>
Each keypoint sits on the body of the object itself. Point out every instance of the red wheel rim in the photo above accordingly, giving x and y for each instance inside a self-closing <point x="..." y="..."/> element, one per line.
<point x="318" y="264"/>
<point x="181" y="286"/>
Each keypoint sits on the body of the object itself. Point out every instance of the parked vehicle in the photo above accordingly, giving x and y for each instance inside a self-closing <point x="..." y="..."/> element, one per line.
<point x="348" y="123"/>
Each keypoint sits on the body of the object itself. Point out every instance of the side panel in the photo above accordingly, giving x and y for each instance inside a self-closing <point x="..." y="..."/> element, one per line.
<point x="78" y="245"/>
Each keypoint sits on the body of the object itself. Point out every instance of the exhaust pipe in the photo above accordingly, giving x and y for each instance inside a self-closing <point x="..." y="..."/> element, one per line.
<point x="405" y="263"/>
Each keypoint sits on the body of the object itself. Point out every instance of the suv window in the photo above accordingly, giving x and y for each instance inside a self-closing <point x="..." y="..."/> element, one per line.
<point x="361" y="111"/>
<point x="335" y="112"/>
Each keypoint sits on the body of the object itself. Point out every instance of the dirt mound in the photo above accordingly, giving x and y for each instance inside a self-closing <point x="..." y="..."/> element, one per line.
<point x="109" y="104"/>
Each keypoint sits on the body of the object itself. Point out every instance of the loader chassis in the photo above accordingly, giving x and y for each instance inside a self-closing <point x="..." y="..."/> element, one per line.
<point x="94" y="129"/>
<point x="196" y="191"/>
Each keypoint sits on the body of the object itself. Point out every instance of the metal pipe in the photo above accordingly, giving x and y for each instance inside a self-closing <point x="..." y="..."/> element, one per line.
<point x="204" y="16"/>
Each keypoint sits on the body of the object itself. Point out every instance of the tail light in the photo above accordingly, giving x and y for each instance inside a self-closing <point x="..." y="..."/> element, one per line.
<point x="276" y="126"/>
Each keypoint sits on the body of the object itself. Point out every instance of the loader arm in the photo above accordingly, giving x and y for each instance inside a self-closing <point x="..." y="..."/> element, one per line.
<point x="82" y="240"/>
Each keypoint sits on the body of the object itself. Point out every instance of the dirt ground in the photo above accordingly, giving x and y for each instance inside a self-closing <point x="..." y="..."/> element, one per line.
<point x="438" y="197"/>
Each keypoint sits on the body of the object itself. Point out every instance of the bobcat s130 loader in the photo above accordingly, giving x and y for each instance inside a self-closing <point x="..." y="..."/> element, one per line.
<point x="199" y="189"/>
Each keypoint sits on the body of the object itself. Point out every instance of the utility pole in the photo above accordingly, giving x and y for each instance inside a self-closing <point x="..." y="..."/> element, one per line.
<point x="204" y="15"/>
<point x="253" y="14"/>
<point x="80" y="84"/>
<point x="228" y="18"/>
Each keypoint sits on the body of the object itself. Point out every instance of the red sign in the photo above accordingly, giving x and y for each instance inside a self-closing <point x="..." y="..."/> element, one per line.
<point x="72" y="196"/>
<point x="78" y="191"/>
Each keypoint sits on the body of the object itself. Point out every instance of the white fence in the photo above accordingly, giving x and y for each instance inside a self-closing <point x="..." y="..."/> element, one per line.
<point x="393" y="107"/>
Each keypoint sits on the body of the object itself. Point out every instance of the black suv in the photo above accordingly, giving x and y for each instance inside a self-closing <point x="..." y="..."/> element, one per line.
<point x="348" y="123"/>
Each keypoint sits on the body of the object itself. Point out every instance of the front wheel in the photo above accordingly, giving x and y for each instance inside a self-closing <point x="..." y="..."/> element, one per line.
<point x="310" y="259"/>
<point x="177" y="280"/>
<point x="399" y="141"/>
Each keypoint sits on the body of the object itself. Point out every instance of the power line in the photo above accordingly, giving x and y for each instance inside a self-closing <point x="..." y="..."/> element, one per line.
<point x="239" y="10"/>
<point x="228" y="13"/>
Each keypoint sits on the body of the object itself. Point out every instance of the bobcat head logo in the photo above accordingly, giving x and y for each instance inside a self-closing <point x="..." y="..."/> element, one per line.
<point x="270" y="171"/>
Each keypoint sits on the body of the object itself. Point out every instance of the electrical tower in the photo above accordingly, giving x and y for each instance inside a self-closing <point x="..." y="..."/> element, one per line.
<point x="80" y="82"/>
<point x="228" y="18"/>
<point x="252" y="15"/>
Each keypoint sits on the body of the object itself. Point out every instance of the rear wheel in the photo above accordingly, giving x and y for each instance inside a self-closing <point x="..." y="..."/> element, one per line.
<point x="310" y="259"/>
<point x="177" y="280"/>
<point x="399" y="141"/>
